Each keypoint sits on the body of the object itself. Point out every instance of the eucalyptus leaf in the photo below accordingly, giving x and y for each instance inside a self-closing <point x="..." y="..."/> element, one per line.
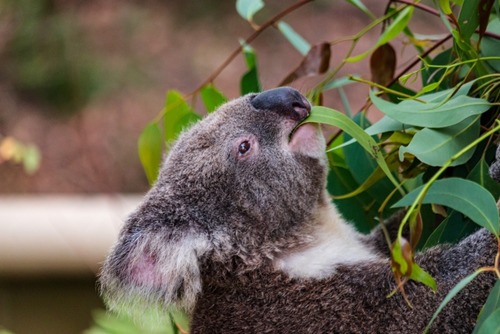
<point x="491" y="325"/>
<point x="212" y="98"/>
<point x="294" y="38"/>
<point x="150" y="151"/>
<point x="420" y="275"/>
<point x="491" y="307"/>
<point x="453" y="292"/>
<point x="461" y="195"/>
<point x="436" y="146"/>
<point x="248" y="8"/>
<point x="451" y="230"/>
<point x="250" y="82"/>
<point x="361" y="6"/>
<point x="468" y="19"/>
<point x="335" y="118"/>
<point x="178" y="115"/>
<point x="436" y="111"/>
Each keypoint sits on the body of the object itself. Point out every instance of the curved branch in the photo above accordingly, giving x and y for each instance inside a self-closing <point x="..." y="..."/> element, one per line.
<point x="249" y="40"/>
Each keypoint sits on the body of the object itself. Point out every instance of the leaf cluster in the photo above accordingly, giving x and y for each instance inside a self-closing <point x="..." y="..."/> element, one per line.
<point x="429" y="152"/>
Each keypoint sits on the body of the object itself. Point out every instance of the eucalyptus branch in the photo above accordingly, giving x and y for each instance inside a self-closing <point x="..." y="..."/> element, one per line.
<point x="436" y="13"/>
<point x="271" y="22"/>
<point x="425" y="189"/>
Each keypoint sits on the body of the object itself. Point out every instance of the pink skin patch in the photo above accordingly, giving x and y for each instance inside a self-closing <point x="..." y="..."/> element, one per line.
<point x="144" y="271"/>
<point x="308" y="139"/>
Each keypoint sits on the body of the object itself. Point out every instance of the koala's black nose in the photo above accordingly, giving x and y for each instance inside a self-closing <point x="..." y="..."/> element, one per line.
<point x="284" y="100"/>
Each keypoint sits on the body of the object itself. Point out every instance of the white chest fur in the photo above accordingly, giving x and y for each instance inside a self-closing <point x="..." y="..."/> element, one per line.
<point x="334" y="242"/>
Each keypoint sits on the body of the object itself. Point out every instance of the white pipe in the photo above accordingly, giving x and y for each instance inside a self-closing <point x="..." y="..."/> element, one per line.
<point x="61" y="234"/>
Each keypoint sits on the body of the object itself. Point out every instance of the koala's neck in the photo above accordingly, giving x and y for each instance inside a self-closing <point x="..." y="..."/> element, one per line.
<point x="334" y="242"/>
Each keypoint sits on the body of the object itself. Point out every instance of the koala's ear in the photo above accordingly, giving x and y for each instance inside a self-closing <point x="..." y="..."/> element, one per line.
<point x="153" y="267"/>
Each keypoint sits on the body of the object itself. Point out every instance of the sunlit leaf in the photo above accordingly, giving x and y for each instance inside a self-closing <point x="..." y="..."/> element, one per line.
<point x="150" y="150"/>
<point x="445" y="6"/>
<point x="420" y="275"/>
<point x="212" y="98"/>
<point x="315" y="62"/>
<point x="248" y="8"/>
<point x="463" y="196"/>
<point x="491" y="325"/>
<point x="178" y="115"/>
<point x="453" y="292"/>
<point x="294" y="38"/>
<point x="436" y="146"/>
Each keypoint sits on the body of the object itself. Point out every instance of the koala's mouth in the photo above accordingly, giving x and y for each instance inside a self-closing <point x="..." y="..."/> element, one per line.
<point x="307" y="138"/>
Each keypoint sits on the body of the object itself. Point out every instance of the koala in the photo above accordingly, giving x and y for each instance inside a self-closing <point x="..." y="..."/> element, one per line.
<point x="240" y="232"/>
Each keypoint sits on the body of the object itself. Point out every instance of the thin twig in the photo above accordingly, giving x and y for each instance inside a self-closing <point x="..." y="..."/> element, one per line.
<point x="249" y="40"/>
<point x="436" y="13"/>
<point x="416" y="61"/>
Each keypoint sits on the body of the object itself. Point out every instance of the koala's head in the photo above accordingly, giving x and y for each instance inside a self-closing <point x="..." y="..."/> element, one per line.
<point x="238" y="187"/>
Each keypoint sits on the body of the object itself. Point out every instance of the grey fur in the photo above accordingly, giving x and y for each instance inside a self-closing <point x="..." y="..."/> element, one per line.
<point x="210" y="233"/>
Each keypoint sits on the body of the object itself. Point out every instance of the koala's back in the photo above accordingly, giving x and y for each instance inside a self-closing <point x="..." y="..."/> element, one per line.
<point x="353" y="300"/>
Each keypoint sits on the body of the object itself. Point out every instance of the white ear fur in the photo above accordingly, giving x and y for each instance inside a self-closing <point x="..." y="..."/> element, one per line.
<point x="160" y="273"/>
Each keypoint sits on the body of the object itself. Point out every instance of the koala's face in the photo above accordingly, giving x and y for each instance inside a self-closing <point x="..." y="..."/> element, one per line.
<point x="236" y="184"/>
<point x="249" y="162"/>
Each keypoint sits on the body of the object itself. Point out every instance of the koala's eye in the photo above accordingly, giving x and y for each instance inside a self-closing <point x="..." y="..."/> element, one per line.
<point x="244" y="147"/>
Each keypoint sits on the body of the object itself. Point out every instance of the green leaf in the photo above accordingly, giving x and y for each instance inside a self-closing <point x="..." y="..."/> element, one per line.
<point x="212" y="98"/>
<point x="250" y="82"/>
<point x="361" y="6"/>
<point x="396" y="27"/>
<point x="335" y="118"/>
<point x="445" y="6"/>
<point x="436" y="146"/>
<point x="451" y="230"/>
<point x="294" y="38"/>
<point x="468" y="19"/>
<point x="453" y="292"/>
<point x="248" y="8"/>
<point x="480" y="174"/>
<point x="364" y="168"/>
<point x="356" y="209"/>
<point x="461" y="195"/>
<point x="437" y="111"/>
<point x="31" y="159"/>
<point x="489" y="45"/>
<point x="490" y="309"/>
<point x="420" y="275"/>
<point x="150" y="151"/>
<point x="178" y="115"/>
<point x="492" y="324"/>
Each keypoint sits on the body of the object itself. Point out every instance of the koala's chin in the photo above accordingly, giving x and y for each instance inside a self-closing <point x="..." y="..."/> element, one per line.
<point x="240" y="232"/>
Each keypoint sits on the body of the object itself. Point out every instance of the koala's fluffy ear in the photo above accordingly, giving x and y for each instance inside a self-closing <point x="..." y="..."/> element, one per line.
<point x="153" y="266"/>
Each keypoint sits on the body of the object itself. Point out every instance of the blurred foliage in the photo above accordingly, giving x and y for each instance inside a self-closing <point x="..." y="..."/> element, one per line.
<point x="433" y="143"/>
<point x="46" y="57"/>
<point x="106" y="323"/>
<point x="14" y="151"/>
